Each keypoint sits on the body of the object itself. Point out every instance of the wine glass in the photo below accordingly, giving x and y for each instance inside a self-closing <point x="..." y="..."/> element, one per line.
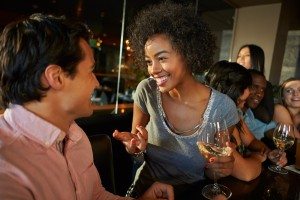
<point x="283" y="137"/>
<point x="212" y="143"/>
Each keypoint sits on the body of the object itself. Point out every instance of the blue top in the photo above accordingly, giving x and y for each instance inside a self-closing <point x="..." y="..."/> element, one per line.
<point x="170" y="157"/>
<point x="257" y="127"/>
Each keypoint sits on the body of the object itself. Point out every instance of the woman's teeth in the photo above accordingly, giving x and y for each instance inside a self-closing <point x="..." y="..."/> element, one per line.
<point x="161" y="80"/>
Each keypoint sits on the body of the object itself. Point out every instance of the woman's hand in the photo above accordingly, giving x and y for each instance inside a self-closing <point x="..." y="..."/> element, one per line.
<point x="259" y="156"/>
<point x="222" y="166"/>
<point x="278" y="157"/>
<point x="134" y="142"/>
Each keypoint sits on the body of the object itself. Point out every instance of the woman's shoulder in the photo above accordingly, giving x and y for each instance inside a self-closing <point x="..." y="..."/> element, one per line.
<point x="279" y="109"/>
<point x="222" y="98"/>
<point x="224" y="107"/>
<point x="147" y="84"/>
<point x="281" y="114"/>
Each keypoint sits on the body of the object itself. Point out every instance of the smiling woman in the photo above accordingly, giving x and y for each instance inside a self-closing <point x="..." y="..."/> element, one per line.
<point x="290" y="98"/>
<point x="171" y="108"/>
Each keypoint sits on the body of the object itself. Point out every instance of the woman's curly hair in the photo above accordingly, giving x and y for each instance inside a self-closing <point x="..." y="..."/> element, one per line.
<point x="188" y="34"/>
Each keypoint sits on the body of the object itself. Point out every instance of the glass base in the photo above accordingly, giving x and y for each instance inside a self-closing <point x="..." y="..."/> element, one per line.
<point x="216" y="191"/>
<point x="277" y="169"/>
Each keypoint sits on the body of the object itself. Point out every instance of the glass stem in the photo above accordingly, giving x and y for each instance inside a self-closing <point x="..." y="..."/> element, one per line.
<point x="278" y="167"/>
<point x="216" y="187"/>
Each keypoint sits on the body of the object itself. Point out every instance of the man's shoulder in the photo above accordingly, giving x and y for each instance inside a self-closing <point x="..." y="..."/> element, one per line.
<point x="7" y="133"/>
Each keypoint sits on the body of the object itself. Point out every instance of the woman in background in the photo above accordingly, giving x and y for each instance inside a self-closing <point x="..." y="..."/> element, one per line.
<point x="252" y="56"/>
<point x="290" y="98"/>
<point x="234" y="80"/>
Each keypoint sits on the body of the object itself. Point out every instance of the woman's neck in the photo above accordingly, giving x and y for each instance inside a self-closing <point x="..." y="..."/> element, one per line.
<point x="187" y="92"/>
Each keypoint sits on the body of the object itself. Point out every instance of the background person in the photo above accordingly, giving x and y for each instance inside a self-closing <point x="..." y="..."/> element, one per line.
<point x="252" y="56"/>
<point x="264" y="131"/>
<point x="46" y="83"/>
<point x="174" y="107"/>
<point x="234" y="80"/>
<point x="289" y="96"/>
<point x="257" y="93"/>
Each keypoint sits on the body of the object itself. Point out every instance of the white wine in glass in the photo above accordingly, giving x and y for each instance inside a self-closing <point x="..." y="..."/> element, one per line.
<point x="212" y="143"/>
<point x="283" y="137"/>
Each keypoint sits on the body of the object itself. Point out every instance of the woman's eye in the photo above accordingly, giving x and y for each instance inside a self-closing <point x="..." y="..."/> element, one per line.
<point x="162" y="58"/>
<point x="289" y="91"/>
<point x="148" y="62"/>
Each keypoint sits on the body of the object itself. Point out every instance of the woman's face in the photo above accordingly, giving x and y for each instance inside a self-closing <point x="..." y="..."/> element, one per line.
<point x="244" y="58"/>
<point x="291" y="94"/>
<point x="242" y="99"/>
<point x="165" y="65"/>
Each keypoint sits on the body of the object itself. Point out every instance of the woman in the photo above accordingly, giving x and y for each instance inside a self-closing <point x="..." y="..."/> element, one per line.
<point x="288" y="111"/>
<point x="174" y="107"/>
<point x="234" y="80"/>
<point x="252" y="56"/>
<point x="290" y="98"/>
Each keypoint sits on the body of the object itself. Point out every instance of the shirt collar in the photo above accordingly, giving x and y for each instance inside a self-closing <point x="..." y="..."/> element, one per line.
<point x="36" y="128"/>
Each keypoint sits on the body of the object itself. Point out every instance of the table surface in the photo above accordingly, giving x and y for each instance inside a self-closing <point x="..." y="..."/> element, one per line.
<point x="268" y="186"/>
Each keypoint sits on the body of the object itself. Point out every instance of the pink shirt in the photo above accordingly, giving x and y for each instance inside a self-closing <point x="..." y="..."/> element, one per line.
<point x="31" y="166"/>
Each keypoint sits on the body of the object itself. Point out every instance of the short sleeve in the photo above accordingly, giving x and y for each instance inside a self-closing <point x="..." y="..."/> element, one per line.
<point x="141" y="95"/>
<point x="225" y="108"/>
<point x="231" y="115"/>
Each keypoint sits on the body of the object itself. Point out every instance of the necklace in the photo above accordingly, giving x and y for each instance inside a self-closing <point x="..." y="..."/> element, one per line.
<point x="169" y="125"/>
<point x="182" y="132"/>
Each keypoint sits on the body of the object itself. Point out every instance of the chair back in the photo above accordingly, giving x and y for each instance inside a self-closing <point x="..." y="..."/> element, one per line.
<point x="103" y="159"/>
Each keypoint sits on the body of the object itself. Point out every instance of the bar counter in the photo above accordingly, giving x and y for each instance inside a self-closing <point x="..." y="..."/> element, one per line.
<point x="268" y="186"/>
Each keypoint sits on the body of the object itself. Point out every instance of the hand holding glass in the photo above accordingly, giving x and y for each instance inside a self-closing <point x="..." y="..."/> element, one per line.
<point x="213" y="144"/>
<point x="283" y="137"/>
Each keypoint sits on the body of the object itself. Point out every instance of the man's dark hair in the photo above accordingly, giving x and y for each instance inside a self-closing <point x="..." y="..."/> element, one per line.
<point x="256" y="72"/>
<point x="188" y="34"/>
<point x="28" y="46"/>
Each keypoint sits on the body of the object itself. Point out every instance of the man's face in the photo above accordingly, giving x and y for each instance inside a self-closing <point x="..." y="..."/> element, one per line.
<point x="257" y="91"/>
<point x="79" y="89"/>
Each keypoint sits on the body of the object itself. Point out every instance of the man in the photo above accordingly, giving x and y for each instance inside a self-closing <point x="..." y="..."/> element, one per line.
<point x="46" y="83"/>
<point x="257" y="92"/>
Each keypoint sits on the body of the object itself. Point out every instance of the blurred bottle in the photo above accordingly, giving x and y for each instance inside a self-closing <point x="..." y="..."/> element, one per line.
<point x="297" y="165"/>
<point x="298" y="155"/>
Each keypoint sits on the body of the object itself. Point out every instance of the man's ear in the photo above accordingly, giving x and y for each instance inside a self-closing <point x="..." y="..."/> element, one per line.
<point x="53" y="77"/>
